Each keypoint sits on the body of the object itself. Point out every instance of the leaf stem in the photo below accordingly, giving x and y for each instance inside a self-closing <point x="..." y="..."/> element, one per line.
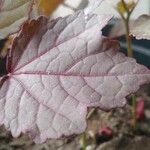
<point x="128" y="38"/>
<point x="91" y="113"/>
<point x="130" y="53"/>
<point x="83" y="140"/>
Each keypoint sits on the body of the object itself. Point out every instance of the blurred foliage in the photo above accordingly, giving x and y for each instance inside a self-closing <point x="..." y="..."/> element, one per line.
<point x="47" y="7"/>
<point x="5" y="46"/>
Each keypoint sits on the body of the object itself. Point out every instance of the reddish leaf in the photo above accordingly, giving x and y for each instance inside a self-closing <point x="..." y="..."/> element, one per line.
<point x="60" y="68"/>
<point x="140" y="109"/>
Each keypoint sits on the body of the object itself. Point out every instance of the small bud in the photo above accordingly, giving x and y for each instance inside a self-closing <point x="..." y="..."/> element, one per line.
<point x="126" y="6"/>
<point x="140" y="109"/>
<point x="106" y="131"/>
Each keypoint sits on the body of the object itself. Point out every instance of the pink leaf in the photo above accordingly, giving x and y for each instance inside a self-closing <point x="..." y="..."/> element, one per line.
<point x="60" y="68"/>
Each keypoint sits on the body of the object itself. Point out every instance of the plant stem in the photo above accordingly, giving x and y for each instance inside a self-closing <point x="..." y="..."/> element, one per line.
<point x="128" y="38"/>
<point x="91" y="113"/>
<point x="130" y="54"/>
<point x="84" y="144"/>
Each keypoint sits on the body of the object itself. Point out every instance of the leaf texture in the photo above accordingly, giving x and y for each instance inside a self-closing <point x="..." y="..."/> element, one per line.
<point x="141" y="27"/>
<point x="13" y="13"/>
<point x="60" y="68"/>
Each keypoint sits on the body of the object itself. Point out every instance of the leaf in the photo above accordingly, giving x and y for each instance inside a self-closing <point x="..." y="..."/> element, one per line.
<point x="141" y="27"/>
<point x="59" y="68"/>
<point x="13" y="13"/>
